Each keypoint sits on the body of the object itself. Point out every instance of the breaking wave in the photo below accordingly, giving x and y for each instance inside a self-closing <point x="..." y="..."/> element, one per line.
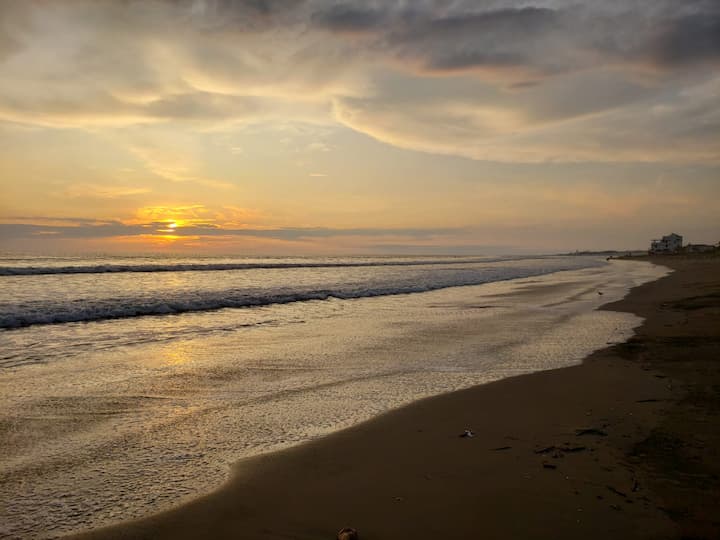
<point x="160" y="303"/>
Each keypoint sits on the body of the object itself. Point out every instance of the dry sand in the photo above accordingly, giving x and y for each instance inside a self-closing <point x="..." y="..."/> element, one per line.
<point x="625" y="445"/>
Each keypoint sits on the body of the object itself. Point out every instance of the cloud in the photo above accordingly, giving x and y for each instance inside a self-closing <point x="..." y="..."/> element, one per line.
<point x="348" y="18"/>
<point x="546" y="39"/>
<point x="101" y="191"/>
<point x="528" y="81"/>
<point x="40" y="220"/>
<point x="14" y="231"/>
<point x="585" y="118"/>
<point x="501" y="39"/>
<point x="255" y="15"/>
<point x="687" y="39"/>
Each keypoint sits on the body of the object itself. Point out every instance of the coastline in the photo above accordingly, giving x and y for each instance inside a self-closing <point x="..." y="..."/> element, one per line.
<point x="645" y="470"/>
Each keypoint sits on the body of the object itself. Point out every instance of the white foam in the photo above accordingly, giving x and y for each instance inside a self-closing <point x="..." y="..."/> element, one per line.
<point x="60" y="299"/>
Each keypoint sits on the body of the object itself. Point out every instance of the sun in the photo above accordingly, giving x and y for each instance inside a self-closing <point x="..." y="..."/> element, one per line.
<point x="169" y="226"/>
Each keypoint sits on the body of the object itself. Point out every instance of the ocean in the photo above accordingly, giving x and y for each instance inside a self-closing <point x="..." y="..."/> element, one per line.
<point x="128" y="385"/>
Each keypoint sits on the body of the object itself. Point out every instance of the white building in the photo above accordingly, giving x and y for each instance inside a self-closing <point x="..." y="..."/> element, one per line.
<point x="672" y="243"/>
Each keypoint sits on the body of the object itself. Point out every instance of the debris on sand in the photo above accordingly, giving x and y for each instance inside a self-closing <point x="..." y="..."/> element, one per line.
<point x="590" y="431"/>
<point x="347" y="533"/>
<point x="468" y="433"/>
<point x="561" y="449"/>
<point x="617" y="492"/>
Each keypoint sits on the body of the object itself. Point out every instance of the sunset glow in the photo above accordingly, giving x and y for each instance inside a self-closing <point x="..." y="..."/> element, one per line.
<point x="378" y="269"/>
<point x="317" y="127"/>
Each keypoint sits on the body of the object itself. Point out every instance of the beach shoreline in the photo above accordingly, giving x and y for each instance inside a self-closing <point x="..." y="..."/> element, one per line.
<point x="612" y="446"/>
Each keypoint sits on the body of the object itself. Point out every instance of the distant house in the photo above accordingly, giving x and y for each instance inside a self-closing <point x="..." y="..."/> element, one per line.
<point x="672" y="243"/>
<point x="699" y="248"/>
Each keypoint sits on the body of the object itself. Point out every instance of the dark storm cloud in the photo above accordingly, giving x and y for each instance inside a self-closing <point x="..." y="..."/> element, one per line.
<point x="530" y="38"/>
<point x="264" y="7"/>
<point x="539" y="38"/>
<point x="436" y="34"/>
<point x="517" y="24"/>
<point x="348" y="18"/>
<point x="687" y="39"/>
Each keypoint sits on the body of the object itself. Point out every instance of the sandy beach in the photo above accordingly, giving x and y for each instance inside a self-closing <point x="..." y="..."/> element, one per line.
<point x="625" y="445"/>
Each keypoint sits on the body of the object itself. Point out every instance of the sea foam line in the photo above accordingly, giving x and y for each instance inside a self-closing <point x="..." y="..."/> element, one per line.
<point x="195" y="267"/>
<point x="59" y="312"/>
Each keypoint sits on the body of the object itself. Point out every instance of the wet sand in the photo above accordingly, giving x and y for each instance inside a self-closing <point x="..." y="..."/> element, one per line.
<point x="625" y="444"/>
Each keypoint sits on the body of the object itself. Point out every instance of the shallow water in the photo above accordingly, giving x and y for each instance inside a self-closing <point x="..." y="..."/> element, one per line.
<point x="113" y="419"/>
<point x="49" y="291"/>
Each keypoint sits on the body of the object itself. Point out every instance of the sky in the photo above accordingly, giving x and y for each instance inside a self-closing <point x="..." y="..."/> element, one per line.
<point x="288" y="127"/>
